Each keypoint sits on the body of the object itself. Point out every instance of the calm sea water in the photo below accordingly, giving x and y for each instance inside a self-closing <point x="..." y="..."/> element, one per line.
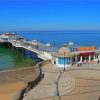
<point x="10" y="60"/>
<point x="59" y="38"/>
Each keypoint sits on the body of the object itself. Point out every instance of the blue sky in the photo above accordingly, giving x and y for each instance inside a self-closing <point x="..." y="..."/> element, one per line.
<point x="16" y="15"/>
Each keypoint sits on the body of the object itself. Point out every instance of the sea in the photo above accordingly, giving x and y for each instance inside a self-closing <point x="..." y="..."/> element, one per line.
<point x="10" y="60"/>
<point x="59" y="38"/>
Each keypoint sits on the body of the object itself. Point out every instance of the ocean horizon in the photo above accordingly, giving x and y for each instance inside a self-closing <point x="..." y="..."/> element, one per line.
<point x="58" y="38"/>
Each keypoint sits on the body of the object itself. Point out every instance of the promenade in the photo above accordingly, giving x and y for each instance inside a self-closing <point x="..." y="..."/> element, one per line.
<point x="76" y="83"/>
<point x="48" y="86"/>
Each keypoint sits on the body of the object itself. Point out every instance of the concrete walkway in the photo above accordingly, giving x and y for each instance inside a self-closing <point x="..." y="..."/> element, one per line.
<point x="52" y="85"/>
<point x="76" y="83"/>
<point x="48" y="86"/>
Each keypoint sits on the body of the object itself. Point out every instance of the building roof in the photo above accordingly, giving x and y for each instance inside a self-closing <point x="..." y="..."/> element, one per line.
<point x="4" y="36"/>
<point x="8" y="35"/>
<point x="65" y="49"/>
<point x="55" y="54"/>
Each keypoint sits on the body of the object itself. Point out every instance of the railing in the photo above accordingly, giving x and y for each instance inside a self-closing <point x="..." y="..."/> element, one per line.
<point x="32" y="84"/>
<point x="42" y="57"/>
<point x="31" y="48"/>
<point x="23" y="45"/>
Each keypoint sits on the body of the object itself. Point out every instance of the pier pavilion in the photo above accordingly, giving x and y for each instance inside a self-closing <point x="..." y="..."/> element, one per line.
<point x="63" y="58"/>
<point x="9" y="37"/>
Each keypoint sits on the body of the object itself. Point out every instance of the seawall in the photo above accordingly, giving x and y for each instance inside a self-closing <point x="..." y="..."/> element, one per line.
<point x="32" y="83"/>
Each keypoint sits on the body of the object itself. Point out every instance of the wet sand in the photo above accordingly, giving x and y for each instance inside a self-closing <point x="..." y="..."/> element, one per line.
<point x="13" y="81"/>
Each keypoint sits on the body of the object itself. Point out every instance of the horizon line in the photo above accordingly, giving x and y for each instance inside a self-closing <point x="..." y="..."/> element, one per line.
<point x="51" y="30"/>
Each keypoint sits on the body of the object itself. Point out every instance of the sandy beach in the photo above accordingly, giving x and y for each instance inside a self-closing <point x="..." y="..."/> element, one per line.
<point x="13" y="81"/>
<point x="8" y="91"/>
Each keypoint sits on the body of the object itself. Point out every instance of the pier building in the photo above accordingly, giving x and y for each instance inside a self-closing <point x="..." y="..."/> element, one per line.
<point x="62" y="58"/>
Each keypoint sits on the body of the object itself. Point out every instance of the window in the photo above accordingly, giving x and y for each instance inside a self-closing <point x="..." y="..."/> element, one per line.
<point x="62" y="60"/>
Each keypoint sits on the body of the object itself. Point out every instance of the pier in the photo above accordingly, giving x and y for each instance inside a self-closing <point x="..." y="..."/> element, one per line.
<point x="18" y="42"/>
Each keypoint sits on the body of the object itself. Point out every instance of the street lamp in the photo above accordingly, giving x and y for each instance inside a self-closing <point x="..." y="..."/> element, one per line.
<point x="64" y="61"/>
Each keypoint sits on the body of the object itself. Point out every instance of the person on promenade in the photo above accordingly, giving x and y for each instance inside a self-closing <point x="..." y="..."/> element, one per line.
<point x="78" y="63"/>
<point x="87" y="61"/>
<point x="98" y="61"/>
<point x="84" y="61"/>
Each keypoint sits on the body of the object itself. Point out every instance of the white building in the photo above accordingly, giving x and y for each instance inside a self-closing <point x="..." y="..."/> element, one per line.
<point x="63" y="58"/>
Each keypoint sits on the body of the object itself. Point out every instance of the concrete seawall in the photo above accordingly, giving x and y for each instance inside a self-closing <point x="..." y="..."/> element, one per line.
<point x="32" y="83"/>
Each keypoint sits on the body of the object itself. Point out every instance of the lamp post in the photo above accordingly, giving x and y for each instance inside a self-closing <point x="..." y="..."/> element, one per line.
<point x="64" y="61"/>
